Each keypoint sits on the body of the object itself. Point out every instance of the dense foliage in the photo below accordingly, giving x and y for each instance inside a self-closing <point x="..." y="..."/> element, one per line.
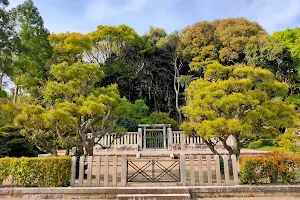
<point x="228" y="76"/>
<point x="36" y="172"/>
<point x="271" y="168"/>
<point x="245" y="102"/>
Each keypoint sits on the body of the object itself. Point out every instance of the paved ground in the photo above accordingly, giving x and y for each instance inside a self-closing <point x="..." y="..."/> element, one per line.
<point x="241" y="198"/>
<point x="256" y="198"/>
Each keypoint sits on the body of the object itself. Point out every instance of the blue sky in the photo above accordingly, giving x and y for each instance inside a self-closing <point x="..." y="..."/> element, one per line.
<point x="84" y="15"/>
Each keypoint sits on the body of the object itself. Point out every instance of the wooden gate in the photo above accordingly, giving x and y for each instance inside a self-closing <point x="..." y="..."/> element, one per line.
<point x="142" y="170"/>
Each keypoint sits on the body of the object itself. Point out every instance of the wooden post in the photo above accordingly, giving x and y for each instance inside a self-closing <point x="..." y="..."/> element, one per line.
<point x="98" y="170"/>
<point x="170" y="138"/>
<point x="218" y="170"/>
<point x="123" y="170"/>
<point x="73" y="171"/>
<point x="226" y="170"/>
<point x="192" y="171"/>
<point x="182" y="141"/>
<point x="115" y="171"/>
<point x="182" y="169"/>
<point x="81" y="170"/>
<point x="90" y="168"/>
<point x="234" y="169"/>
<point x="106" y="171"/>
<point x="165" y="137"/>
<point x="200" y="168"/>
<point x="209" y="174"/>
<point x="140" y="138"/>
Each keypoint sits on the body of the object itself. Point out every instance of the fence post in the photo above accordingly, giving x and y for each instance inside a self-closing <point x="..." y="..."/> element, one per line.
<point x="201" y="181"/>
<point x="90" y="168"/>
<point x="218" y="171"/>
<point x="170" y="138"/>
<point x="73" y="171"/>
<point x="234" y="169"/>
<point x="106" y="171"/>
<point x="226" y="170"/>
<point x="98" y="170"/>
<point x="182" y="169"/>
<point x="115" y="170"/>
<point x="182" y="141"/>
<point x="123" y="170"/>
<point x="209" y="172"/>
<point x="140" y="138"/>
<point x="81" y="170"/>
<point x="192" y="171"/>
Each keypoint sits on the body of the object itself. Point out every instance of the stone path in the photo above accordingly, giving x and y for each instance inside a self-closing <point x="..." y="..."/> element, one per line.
<point x="240" y="198"/>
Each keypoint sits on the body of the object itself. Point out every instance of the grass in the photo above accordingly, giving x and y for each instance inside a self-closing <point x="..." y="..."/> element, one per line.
<point x="276" y="148"/>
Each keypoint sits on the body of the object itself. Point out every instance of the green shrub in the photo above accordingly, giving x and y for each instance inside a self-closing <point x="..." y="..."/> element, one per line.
<point x="159" y="118"/>
<point x="128" y="123"/>
<point x="260" y="143"/>
<point x="267" y="142"/>
<point x="271" y="168"/>
<point x="36" y="172"/>
<point x="255" y="145"/>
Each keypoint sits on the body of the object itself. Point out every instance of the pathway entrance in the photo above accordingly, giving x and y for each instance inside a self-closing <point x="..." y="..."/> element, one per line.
<point x="154" y="136"/>
<point x="154" y="170"/>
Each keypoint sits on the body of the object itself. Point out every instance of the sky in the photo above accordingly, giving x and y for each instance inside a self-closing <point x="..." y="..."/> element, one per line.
<point x="85" y="15"/>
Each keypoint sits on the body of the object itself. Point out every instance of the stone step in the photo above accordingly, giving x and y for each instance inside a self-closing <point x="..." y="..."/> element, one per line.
<point x="153" y="197"/>
<point x="154" y="190"/>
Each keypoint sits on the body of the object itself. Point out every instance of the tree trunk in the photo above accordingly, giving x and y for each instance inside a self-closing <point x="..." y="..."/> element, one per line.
<point x="16" y="94"/>
<point x="1" y="80"/>
<point x="176" y="89"/>
<point x="89" y="151"/>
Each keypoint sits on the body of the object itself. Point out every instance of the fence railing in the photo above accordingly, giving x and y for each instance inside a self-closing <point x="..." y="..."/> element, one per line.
<point x="128" y="140"/>
<point x="113" y="171"/>
<point x="177" y="140"/>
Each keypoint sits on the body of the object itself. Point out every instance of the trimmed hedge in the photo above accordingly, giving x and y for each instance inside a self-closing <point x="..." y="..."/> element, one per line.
<point x="260" y="143"/>
<point x="272" y="168"/>
<point x="36" y="172"/>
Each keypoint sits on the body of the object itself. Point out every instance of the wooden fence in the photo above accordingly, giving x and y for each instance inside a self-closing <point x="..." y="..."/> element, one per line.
<point x="111" y="171"/>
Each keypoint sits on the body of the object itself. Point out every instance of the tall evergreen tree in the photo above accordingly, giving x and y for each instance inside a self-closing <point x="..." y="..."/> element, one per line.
<point x="30" y="66"/>
<point x="7" y="41"/>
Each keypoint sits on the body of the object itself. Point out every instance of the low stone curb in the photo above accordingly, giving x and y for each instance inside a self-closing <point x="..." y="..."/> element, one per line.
<point x="112" y="192"/>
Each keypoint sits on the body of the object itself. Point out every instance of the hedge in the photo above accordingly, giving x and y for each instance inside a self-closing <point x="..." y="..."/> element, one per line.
<point x="260" y="143"/>
<point x="36" y="172"/>
<point x="272" y="168"/>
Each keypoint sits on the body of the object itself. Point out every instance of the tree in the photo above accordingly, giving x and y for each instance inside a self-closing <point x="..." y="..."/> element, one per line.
<point x="241" y="101"/>
<point x="289" y="140"/>
<point x="159" y="118"/>
<point x="30" y="63"/>
<point x="161" y="67"/>
<point x="69" y="47"/>
<point x="76" y="112"/>
<point x="221" y="40"/>
<point x="8" y="42"/>
<point x="168" y="46"/>
<point x="12" y="143"/>
<point x="289" y="38"/>
<point x="110" y="40"/>
<point x="273" y="56"/>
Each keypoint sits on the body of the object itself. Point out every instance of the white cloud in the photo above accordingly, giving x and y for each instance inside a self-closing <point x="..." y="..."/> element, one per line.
<point x="272" y="15"/>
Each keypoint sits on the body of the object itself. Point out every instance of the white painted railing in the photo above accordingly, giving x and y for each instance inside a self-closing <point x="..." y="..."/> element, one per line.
<point x="177" y="140"/>
<point x="110" y="140"/>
